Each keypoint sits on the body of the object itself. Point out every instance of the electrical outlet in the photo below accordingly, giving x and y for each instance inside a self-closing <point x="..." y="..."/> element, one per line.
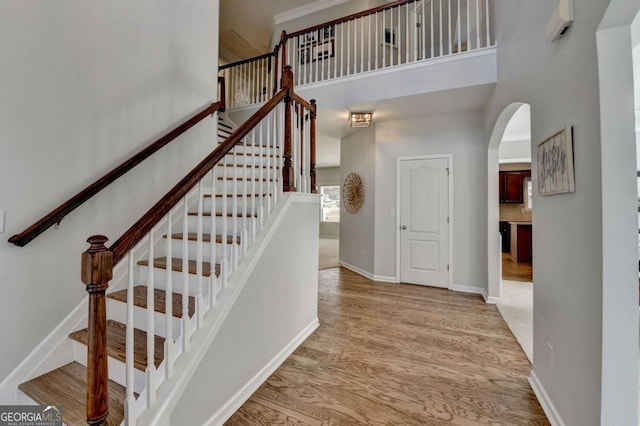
<point x="2" y="215"/>
<point x="550" y="354"/>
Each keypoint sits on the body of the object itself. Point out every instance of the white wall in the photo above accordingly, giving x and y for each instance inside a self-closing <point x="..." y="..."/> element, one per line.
<point x="357" y="155"/>
<point x="279" y="302"/>
<point x="329" y="176"/>
<point x="460" y="134"/>
<point x="85" y="85"/>
<point x="560" y="81"/>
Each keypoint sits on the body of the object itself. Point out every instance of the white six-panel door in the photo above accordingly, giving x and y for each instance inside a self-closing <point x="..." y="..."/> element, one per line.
<point x="424" y="217"/>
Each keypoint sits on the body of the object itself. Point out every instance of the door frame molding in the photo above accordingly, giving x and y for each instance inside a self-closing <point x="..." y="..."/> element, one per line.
<point x="399" y="161"/>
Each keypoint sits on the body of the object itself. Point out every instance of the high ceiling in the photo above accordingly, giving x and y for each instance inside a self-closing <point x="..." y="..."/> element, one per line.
<point x="246" y="26"/>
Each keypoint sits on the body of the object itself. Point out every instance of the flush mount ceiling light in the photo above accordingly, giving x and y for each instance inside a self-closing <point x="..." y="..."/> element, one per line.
<point x="360" y="119"/>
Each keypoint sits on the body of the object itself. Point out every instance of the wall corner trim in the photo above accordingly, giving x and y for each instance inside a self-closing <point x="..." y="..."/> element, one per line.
<point x="545" y="401"/>
<point x="236" y="401"/>
<point x="357" y="270"/>
<point x="490" y="300"/>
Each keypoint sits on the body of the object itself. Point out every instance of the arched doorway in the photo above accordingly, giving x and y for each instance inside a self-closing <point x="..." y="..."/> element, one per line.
<point x="510" y="205"/>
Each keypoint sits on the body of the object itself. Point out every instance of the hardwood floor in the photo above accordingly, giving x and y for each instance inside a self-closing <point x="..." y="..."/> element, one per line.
<point x="513" y="271"/>
<point x="395" y="354"/>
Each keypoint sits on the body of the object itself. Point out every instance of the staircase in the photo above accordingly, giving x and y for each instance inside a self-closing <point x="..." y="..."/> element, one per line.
<point x="246" y="180"/>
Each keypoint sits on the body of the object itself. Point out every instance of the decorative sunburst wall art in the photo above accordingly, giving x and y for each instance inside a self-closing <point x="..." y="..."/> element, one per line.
<point x="353" y="193"/>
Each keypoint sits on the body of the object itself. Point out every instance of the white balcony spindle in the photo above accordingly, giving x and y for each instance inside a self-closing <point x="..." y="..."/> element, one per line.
<point x="348" y="23"/>
<point x="377" y="42"/>
<point x="342" y="25"/>
<point x="486" y="18"/>
<point x="450" y="36"/>
<point x="441" y="31"/>
<point x="431" y="31"/>
<point x="384" y="38"/>
<point x="459" y="35"/>
<point x="477" y="24"/>
<point x="407" y="32"/>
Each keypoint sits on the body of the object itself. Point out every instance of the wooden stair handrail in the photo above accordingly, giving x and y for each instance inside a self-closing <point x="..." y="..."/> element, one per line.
<point x="56" y="216"/>
<point x="144" y="225"/>
<point x="246" y="61"/>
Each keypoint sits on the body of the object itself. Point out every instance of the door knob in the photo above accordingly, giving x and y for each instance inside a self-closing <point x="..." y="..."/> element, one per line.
<point x="403" y="227"/>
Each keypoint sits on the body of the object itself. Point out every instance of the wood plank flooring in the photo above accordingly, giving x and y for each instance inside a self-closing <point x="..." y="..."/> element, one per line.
<point x="516" y="271"/>
<point x="389" y="354"/>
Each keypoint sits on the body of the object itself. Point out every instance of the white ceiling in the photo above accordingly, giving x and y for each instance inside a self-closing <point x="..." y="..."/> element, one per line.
<point x="246" y="26"/>
<point x="519" y="127"/>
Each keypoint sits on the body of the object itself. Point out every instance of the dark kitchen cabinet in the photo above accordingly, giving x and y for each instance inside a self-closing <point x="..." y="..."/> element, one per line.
<point x="505" y="232"/>
<point x="511" y="186"/>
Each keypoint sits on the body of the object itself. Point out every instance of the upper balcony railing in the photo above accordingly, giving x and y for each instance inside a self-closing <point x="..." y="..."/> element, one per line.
<point x="396" y="34"/>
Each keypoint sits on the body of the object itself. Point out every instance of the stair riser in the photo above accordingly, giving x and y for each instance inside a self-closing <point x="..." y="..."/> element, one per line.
<point x="192" y="247"/>
<point x="117" y="311"/>
<point x="238" y="204"/>
<point x="160" y="280"/>
<point x="219" y="224"/>
<point x="246" y="172"/>
<point x="258" y="186"/>
<point x="117" y="369"/>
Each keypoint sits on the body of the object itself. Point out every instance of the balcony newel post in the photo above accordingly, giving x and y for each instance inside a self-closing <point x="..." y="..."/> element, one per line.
<point x="222" y="98"/>
<point x="283" y="46"/>
<point x="287" y="166"/>
<point x="97" y="271"/>
<point x="312" y="147"/>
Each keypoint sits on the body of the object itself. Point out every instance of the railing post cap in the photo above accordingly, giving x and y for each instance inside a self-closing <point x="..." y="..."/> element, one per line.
<point x="97" y="243"/>
<point x="288" y="68"/>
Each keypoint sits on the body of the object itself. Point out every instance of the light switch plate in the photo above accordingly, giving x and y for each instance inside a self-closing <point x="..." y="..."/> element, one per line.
<point x="2" y="221"/>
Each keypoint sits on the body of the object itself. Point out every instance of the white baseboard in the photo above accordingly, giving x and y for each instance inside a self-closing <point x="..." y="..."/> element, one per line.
<point x="357" y="270"/>
<point x="385" y="279"/>
<point x="254" y="383"/>
<point x="490" y="300"/>
<point x="467" y="289"/>
<point x="545" y="401"/>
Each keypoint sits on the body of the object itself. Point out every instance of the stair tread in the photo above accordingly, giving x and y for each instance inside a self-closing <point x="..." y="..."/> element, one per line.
<point x="229" y="214"/>
<point x="236" y="195"/>
<point x="193" y="236"/>
<point x="116" y="344"/>
<point x="67" y="386"/>
<point x="247" y="179"/>
<point x="249" y="166"/>
<point x="176" y="265"/>
<point x="140" y="300"/>
<point x="256" y="146"/>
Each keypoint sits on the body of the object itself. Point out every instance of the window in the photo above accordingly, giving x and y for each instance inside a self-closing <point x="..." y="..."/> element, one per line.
<point x="330" y="203"/>
<point x="528" y="193"/>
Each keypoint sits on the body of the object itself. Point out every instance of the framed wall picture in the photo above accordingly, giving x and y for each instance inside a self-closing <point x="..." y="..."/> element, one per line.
<point x="390" y="36"/>
<point x="554" y="159"/>
<point x="316" y="45"/>
<point x="323" y="51"/>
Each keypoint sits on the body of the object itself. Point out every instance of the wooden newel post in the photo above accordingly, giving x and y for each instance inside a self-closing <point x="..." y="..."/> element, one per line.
<point x="312" y="147"/>
<point x="287" y="166"/>
<point x="97" y="271"/>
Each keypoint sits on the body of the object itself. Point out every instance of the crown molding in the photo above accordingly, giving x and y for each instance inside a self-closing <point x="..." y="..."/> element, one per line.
<point x="307" y="9"/>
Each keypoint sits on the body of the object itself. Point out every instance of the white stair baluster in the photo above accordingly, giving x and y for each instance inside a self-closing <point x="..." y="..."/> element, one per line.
<point x="377" y="41"/>
<point x="213" y="289"/>
<point x="151" y="366"/>
<point x="168" y="342"/>
<point x="129" y="365"/>
<point x="186" y="332"/>
<point x="199" y="257"/>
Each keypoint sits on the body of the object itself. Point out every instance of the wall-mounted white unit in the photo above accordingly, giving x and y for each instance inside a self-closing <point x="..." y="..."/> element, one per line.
<point x="560" y="21"/>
